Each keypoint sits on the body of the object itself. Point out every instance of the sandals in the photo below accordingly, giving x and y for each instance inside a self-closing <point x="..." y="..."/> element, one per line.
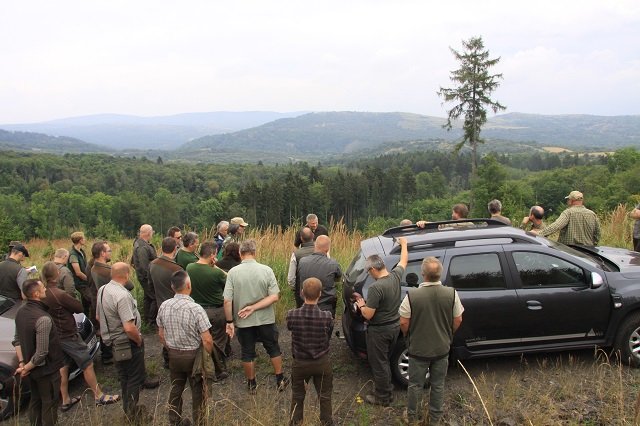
<point x="106" y="399"/>
<point x="72" y="402"/>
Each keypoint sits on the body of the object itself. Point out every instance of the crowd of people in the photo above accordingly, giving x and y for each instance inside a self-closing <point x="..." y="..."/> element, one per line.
<point x="200" y="296"/>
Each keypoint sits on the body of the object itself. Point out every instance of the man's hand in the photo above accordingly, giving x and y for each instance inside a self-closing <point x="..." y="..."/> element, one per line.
<point x="230" y="329"/>
<point x="402" y="241"/>
<point x="525" y="220"/>
<point x="421" y="223"/>
<point x="246" y="311"/>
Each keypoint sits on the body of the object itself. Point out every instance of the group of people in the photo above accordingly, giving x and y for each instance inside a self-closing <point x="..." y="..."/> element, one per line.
<point x="200" y="296"/>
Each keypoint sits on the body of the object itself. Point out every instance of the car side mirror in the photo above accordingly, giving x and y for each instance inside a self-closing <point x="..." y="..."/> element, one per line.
<point x="596" y="280"/>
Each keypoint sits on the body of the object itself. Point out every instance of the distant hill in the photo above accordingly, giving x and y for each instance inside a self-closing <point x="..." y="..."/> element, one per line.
<point x="28" y="141"/>
<point x="163" y="132"/>
<point x="322" y="133"/>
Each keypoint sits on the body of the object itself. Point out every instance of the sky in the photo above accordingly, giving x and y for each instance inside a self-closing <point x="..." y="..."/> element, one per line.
<point x="148" y="58"/>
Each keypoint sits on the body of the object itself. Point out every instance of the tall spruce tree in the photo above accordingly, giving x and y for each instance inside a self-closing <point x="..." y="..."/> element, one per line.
<point x="474" y="86"/>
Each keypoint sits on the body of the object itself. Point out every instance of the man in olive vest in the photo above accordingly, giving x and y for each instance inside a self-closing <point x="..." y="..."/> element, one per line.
<point x="39" y="355"/>
<point x="429" y="316"/>
<point x="12" y="274"/>
<point x="306" y="248"/>
<point x="143" y="254"/>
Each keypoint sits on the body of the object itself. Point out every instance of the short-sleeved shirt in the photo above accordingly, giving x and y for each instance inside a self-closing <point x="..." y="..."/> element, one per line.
<point x="405" y="306"/>
<point x="207" y="284"/>
<point x="248" y="283"/>
<point x="384" y="297"/>
<point x="115" y="305"/>
<point x="183" y="321"/>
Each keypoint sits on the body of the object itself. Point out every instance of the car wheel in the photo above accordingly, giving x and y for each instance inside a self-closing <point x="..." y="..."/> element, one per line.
<point x="400" y="365"/>
<point x="628" y="340"/>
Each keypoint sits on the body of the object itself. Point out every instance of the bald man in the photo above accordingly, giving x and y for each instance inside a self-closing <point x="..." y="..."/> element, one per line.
<point x="120" y="322"/>
<point x="143" y="254"/>
<point x="319" y="265"/>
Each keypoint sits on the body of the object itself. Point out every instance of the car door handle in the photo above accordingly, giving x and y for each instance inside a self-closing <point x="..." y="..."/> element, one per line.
<point x="534" y="305"/>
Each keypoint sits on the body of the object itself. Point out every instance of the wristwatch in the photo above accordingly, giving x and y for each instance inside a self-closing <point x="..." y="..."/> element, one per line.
<point x="229" y="321"/>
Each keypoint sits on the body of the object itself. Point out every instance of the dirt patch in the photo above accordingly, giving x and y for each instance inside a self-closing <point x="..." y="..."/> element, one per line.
<point x="579" y="387"/>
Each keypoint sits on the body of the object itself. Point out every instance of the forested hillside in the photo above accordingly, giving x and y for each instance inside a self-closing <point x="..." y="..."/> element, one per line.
<point x="27" y="141"/>
<point x="48" y="196"/>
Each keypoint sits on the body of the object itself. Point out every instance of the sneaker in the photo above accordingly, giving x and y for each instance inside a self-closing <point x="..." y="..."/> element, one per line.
<point x="151" y="383"/>
<point x="282" y="383"/>
<point x="222" y="376"/>
<point x="373" y="400"/>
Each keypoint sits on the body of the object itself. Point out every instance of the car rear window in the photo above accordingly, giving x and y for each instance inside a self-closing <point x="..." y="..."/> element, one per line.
<point x="355" y="268"/>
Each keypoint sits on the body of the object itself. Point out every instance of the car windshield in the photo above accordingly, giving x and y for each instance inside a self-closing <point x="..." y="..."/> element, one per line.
<point x="5" y="304"/>
<point x="573" y="252"/>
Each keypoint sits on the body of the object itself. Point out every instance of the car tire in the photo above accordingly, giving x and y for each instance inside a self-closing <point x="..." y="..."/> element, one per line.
<point x="628" y="340"/>
<point x="400" y="364"/>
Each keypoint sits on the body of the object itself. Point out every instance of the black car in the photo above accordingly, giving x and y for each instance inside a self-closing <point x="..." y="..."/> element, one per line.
<point x="521" y="292"/>
<point x="11" y="386"/>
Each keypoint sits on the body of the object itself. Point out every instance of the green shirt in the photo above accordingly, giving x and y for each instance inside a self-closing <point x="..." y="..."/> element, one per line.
<point x="577" y="225"/>
<point x="384" y="297"/>
<point x="248" y="283"/>
<point x="207" y="284"/>
<point x="183" y="258"/>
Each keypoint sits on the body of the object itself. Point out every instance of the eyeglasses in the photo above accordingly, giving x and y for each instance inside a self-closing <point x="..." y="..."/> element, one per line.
<point x="179" y="237"/>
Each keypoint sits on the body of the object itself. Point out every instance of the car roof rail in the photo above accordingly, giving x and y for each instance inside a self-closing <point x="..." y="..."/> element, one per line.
<point x="405" y="230"/>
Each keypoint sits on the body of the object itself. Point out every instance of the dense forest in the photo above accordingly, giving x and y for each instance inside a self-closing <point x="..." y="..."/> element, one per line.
<point x="48" y="196"/>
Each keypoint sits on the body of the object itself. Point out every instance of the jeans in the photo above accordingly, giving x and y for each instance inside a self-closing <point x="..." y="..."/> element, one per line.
<point x="381" y="341"/>
<point x="417" y="373"/>
<point x="132" y="375"/>
<point x="180" y="367"/>
<point x="45" y="398"/>
<point x="303" y="370"/>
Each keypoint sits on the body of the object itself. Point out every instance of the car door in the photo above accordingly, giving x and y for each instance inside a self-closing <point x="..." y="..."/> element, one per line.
<point x="557" y="302"/>
<point x="490" y="302"/>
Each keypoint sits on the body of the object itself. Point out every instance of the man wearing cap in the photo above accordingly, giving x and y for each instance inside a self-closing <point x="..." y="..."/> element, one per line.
<point x="12" y="244"/>
<point x="234" y="233"/>
<point x="12" y="274"/>
<point x="576" y="224"/>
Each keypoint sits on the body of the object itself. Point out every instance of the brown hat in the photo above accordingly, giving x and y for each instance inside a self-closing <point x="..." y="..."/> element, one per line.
<point x="238" y="221"/>
<point x="22" y="249"/>
<point x="574" y="195"/>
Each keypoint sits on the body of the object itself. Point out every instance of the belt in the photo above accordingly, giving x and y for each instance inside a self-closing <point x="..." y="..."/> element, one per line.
<point x="183" y="352"/>
<point x="385" y="323"/>
<point x="212" y="306"/>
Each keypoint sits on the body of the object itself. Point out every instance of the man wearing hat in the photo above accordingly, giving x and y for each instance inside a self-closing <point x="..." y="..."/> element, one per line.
<point x="576" y="224"/>
<point x="234" y="233"/>
<point x="12" y="274"/>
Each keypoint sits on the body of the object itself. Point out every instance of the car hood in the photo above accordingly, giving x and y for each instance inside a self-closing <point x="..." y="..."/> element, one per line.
<point x="7" y="331"/>
<point x="628" y="261"/>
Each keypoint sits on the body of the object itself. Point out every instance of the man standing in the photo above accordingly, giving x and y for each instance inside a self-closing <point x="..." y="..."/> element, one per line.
<point x="429" y="316"/>
<point x="61" y="306"/>
<point x="534" y="220"/>
<point x="143" y="254"/>
<point x="78" y="266"/>
<point x="120" y="321"/>
<point x="175" y="233"/>
<point x="100" y="275"/>
<point x="576" y="224"/>
<point x="305" y="249"/>
<point x="310" y="334"/>
<point x="312" y="223"/>
<point x="161" y="270"/>
<point x="207" y="286"/>
<point x="187" y="254"/>
<point x="183" y="327"/>
<point x="249" y="294"/>
<point x="235" y="233"/>
<point x="635" y="214"/>
<point x="320" y="265"/>
<point x="495" y="208"/>
<point x="39" y="355"/>
<point x="381" y="310"/>
<point x="65" y="279"/>
<point x="12" y="274"/>
<point x="222" y="228"/>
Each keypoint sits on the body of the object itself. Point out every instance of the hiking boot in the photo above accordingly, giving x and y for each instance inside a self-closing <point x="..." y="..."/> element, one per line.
<point x="374" y="400"/>
<point x="151" y="383"/>
<point x="252" y="387"/>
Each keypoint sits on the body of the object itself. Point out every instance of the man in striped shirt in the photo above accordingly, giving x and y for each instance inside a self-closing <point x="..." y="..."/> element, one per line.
<point x="183" y="326"/>
<point x="310" y="334"/>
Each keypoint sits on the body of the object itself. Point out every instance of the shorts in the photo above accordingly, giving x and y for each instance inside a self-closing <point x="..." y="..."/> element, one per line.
<point x="249" y="336"/>
<point x="76" y="350"/>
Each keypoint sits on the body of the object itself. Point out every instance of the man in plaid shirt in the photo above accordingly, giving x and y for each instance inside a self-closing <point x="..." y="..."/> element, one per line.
<point x="183" y="326"/>
<point x="310" y="333"/>
<point x="577" y="224"/>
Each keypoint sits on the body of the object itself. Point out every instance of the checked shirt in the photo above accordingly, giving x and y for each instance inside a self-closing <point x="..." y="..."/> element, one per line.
<point x="310" y="331"/>
<point x="577" y="225"/>
<point x="183" y="321"/>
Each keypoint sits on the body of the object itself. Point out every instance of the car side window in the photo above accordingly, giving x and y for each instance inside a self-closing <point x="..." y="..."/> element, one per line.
<point x="542" y="270"/>
<point x="476" y="272"/>
<point x="412" y="275"/>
